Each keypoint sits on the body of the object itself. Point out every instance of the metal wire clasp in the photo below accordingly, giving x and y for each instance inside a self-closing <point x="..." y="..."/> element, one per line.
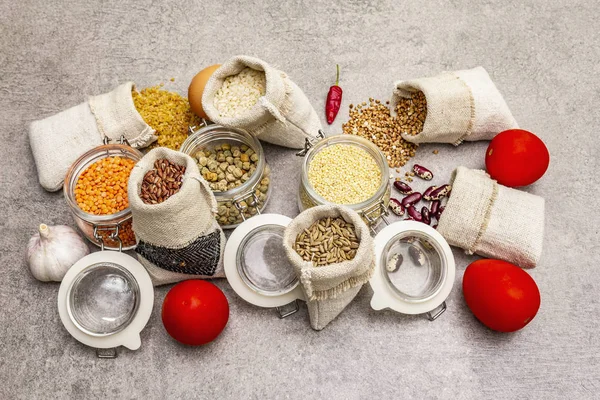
<point x="113" y="236"/>
<point x="371" y="216"/>
<point x="308" y="143"/>
<point x="193" y="129"/>
<point x="237" y="202"/>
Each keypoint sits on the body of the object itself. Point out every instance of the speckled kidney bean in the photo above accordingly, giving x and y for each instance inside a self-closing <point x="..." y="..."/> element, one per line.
<point x="422" y="172"/>
<point x="403" y="187"/>
<point x="441" y="192"/>
<point x="439" y="213"/>
<point x="425" y="215"/>
<point x="414" y="214"/>
<point x="434" y="207"/>
<point x="411" y="199"/>
<point x="427" y="192"/>
<point x="397" y="207"/>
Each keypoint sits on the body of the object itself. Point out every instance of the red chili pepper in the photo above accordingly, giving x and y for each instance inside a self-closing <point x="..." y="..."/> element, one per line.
<point x="334" y="99"/>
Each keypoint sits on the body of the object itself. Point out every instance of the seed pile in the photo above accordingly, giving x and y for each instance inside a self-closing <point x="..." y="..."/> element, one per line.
<point x="412" y="112"/>
<point x="374" y="122"/>
<point x="161" y="182"/>
<point x="240" y="92"/>
<point x="102" y="188"/>
<point x="327" y="241"/>
<point x="166" y="112"/>
<point x="226" y="167"/>
<point x="344" y="174"/>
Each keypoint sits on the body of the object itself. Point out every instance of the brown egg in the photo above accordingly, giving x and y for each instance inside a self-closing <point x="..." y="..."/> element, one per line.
<point x="197" y="88"/>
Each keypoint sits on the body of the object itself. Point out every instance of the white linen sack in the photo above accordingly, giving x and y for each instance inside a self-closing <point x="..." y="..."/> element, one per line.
<point x="57" y="141"/>
<point x="492" y="220"/>
<point x="330" y="288"/>
<point x="177" y="239"/>
<point x="283" y="116"/>
<point x="461" y="105"/>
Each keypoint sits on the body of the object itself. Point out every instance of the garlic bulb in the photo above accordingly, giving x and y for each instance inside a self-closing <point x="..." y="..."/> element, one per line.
<point x="52" y="251"/>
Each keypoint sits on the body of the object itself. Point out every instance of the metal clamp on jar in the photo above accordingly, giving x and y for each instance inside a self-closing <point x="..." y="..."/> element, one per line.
<point x="101" y="230"/>
<point x="240" y="182"/>
<point x="374" y="209"/>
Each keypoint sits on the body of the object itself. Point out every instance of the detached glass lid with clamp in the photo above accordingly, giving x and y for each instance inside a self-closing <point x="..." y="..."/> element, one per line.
<point x="414" y="269"/>
<point x="257" y="267"/>
<point x="105" y="300"/>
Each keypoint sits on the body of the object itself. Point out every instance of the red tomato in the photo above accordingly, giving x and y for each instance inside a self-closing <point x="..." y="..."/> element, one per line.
<point x="516" y="158"/>
<point x="195" y="312"/>
<point x="501" y="295"/>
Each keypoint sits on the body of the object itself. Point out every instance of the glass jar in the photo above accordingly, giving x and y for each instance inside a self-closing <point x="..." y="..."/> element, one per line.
<point x="246" y="200"/>
<point x="112" y="231"/>
<point x="372" y="210"/>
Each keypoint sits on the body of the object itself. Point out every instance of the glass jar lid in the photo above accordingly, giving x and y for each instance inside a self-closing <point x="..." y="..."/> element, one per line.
<point x="414" y="269"/>
<point x="256" y="265"/>
<point x="105" y="300"/>
<point x="262" y="262"/>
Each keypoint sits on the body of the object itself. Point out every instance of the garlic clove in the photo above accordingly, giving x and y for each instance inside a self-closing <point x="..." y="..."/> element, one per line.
<point x="53" y="250"/>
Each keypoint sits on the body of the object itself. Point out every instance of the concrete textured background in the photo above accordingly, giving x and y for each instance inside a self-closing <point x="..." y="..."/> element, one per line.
<point x="544" y="57"/>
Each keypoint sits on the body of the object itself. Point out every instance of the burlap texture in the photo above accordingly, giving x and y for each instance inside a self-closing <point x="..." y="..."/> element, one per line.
<point x="461" y="105"/>
<point x="492" y="220"/>
<point x="179" y="220"/>
<point x="117" y="116"/>
<point x="57" y="141"/>
<point x="330" y="288"/>
<point x="283" y="116"/>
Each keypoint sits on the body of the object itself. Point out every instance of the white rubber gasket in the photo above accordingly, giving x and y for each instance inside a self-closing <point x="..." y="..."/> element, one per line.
<point x="130" y="335"/>
<point x="385" y="296"/>
<point x="231" y="270"/>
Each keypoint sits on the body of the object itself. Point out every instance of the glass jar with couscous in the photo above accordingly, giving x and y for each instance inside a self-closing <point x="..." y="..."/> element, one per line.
<point x="95" y="189"/>
<point x="233" y="163"/>
<point x="346" y="170"/>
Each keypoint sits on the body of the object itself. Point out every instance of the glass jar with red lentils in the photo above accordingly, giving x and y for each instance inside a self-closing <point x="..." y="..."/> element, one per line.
<point x="95" y="189"/>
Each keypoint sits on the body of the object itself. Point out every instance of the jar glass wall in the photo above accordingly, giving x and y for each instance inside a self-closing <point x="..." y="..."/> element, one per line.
<point x="101" y="229"/>
<point x="235" y="204"/>
<point x="372" y="209"/>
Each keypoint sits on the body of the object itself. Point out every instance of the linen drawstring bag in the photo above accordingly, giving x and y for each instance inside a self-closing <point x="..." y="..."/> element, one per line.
<point x="283" y="116"/>
<point x="492" y="220"/>
<point x="177" y="239"/>
<point x="57" y="141"/>
<point x="461" y="105"/>
<point x="330" y="288"/>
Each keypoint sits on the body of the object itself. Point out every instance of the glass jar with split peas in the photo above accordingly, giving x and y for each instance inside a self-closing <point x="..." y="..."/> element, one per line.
<point x="234" y="164"/>
<point x="374" y="209"/>
<point x="109" y="231"/>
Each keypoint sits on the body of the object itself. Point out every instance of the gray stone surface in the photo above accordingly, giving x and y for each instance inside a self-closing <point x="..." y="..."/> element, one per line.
<point x="543" y="55"/>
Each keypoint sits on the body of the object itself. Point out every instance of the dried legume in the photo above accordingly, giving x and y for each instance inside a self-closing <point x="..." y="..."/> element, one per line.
<point x="226" y="167"/>
<point x="344" y="174"/>
<point x="375" y="123"/>
<point x="161" y="182"/>
<point x="102" y="188"/>
<point x="240" y="92"/>
<point x="327" y="241"/>
<point x="166" y="112"/>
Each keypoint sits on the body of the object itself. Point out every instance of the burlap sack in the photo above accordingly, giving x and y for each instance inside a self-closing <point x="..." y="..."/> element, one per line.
<point x="283" y="116"/>
<point x="461" y="105"/>
<point x="492" y="220"/>
<point x="330" y="288"/>
<point x="179" y="238"/>
<point x="57" y="141"/>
